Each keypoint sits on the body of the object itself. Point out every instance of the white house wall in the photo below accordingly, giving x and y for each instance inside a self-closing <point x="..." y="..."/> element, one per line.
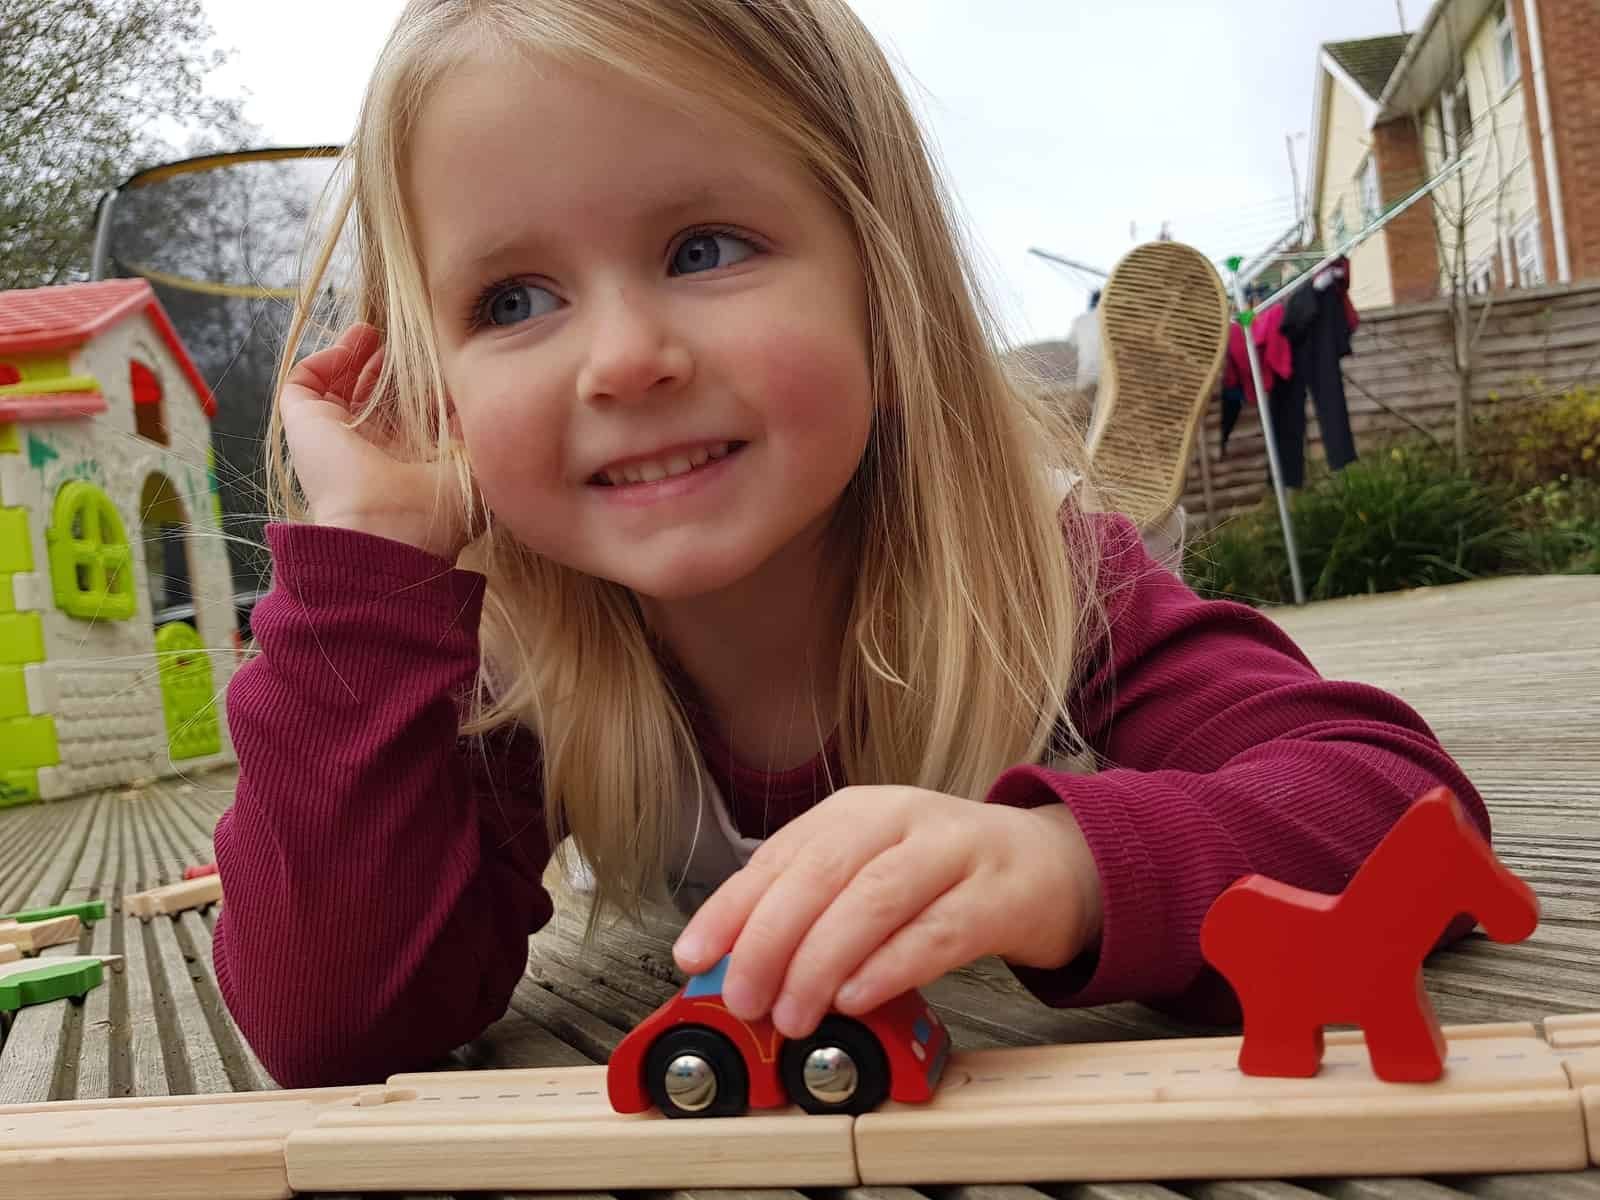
<point x="1497" y="191"/>
<point x="99" y="679"/>
<point x="1346" y="142"/>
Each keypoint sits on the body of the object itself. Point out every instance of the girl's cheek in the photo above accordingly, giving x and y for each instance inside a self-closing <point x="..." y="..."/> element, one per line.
<point x="506" y="439"/>
<point x="826" y="376"/>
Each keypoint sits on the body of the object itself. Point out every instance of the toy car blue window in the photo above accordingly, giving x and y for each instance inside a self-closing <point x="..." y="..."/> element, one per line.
<point x="922" y="1031"/>
<point x="936" y="1067"/>
<point x="709" y="983"/>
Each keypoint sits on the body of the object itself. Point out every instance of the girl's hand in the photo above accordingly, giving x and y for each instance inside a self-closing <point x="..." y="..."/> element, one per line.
<point x="357" y="478"/>
<point x="881" y="889"/>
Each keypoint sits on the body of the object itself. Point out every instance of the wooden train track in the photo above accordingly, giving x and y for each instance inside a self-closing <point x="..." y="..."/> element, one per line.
<point x="1514" y="1097"/>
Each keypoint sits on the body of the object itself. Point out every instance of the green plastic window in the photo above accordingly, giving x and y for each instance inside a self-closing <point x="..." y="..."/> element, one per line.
<point x="91" y="566"/>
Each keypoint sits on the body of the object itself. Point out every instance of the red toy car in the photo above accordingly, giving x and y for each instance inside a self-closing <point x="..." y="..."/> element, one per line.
<point x="693" y="1058"/>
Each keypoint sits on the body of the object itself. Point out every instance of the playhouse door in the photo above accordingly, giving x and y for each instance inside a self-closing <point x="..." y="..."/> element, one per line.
<point x="186" y="696"/>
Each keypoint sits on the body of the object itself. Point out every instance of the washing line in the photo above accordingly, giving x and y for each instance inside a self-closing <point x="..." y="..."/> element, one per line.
<point x="1245" y="315"/>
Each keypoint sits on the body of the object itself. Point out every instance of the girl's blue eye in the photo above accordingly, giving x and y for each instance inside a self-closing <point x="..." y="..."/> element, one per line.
<point x="707" y="251"/>
<point x="513" y="303"/>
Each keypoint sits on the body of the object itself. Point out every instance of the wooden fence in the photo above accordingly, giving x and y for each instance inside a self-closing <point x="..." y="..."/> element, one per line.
<point x="1400" y="377"/>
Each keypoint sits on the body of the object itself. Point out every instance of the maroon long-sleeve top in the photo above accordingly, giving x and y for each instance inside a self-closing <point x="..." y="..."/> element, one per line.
<point x="383" y="874"/>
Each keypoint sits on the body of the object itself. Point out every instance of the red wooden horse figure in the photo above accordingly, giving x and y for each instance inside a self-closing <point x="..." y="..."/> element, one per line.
<point x="1300" y="960"/>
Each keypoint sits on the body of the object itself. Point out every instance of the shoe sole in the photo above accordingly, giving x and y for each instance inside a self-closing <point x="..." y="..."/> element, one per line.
<point x="1164" y="331"/>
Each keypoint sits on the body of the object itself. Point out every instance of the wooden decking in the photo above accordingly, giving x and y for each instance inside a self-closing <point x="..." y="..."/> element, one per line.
<point x="1506" y="671"/>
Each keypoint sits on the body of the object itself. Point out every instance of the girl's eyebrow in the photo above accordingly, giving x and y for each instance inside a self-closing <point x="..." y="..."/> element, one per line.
<point x="470" y="264"/>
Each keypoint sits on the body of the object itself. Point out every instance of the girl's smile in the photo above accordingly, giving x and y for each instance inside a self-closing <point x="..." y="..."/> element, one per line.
<point x="667" y="475"/>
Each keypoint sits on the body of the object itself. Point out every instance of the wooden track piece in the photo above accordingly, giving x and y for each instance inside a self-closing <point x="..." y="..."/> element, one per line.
<point x="1077" y="1075"/>
<point x="172" y="898"/>
<point x="87" y="911"/>
<point x="204" y="1169"/>
<point x="34" y="936"/>
<point x="40" y="980"/>
<point x="223" y="1147"/>
<point x="1568" y="1031"/>
<point x="1404" y="1131"/>
<point x="9" y="952"/>
<point x="410" y="1153"/>
<point x="1591" y="1116"/>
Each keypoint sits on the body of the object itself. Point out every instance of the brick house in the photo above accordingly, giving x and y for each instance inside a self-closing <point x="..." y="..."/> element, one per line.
<point x="1505" y="82"/>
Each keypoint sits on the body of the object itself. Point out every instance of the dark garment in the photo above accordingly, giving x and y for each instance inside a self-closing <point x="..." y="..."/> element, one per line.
<point x="1232" y="406"/>
<point x="1318" y="324"/>
<point x="1288" y="404"/>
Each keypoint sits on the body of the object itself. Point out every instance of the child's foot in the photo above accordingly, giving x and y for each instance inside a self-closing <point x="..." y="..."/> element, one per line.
<point x="1163" y="332"/>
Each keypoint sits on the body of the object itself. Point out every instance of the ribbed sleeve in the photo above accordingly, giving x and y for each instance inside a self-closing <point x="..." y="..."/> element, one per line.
<point x="381" y="874"/>
<point x="1225" y="753"/>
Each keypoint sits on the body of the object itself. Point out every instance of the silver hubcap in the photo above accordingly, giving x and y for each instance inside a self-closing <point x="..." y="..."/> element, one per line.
<point x="691" y="1083"/>
<point x="831" y="1075"/>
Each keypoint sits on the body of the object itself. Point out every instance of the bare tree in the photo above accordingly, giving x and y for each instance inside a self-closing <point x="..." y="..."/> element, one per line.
<point x="87" y="88"/>
<point x="1475" y="196"/>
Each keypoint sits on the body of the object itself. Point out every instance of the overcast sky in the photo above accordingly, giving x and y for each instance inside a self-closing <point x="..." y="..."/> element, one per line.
<point x="1071" y="126"/>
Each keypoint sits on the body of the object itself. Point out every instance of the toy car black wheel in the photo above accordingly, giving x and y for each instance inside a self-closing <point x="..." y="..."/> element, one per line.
<point x="838" y="1069"/>
<point x="696" y="1072"/>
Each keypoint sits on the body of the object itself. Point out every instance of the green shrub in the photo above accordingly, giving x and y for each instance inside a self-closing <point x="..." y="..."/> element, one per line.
<point x="1526" y="442"/>
<point x="1398" y="520"/>
<point x="1405" y="517"/>
<point x="1558" y="527"/>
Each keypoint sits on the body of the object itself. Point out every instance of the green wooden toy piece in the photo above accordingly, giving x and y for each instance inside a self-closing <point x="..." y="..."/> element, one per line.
<point x="53" y="981"/>
<point x="88" y="912"/>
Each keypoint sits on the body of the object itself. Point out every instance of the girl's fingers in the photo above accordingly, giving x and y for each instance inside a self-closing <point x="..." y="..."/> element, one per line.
<point x="367" y="380"/>
<point x="793" y="898"/>
<point x="952" y="931"/>
<point x="890" y="892"/>
<point x="768" y="940"/>
<point x="335" y="369"/>
<point x="710" y="933"/>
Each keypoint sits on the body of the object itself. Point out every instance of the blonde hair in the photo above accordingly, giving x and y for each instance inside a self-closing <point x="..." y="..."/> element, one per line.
<point x="971" y="602"/>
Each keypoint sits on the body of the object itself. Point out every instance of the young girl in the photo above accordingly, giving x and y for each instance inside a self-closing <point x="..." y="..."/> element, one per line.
<point x="665" y="492"/>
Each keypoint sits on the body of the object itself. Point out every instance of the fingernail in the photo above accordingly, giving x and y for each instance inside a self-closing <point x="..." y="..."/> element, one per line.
<point x="850" y="995"/>
<point x="786" y="1016"/>
<point x="690" y="950"/>
<point x="739" y="997"/>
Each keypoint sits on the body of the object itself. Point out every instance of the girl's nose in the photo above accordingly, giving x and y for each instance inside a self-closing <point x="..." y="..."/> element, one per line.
<point x="634" y="354"/>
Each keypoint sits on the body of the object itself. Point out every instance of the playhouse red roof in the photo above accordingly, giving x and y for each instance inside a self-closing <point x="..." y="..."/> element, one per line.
<point x="64" y="317"/>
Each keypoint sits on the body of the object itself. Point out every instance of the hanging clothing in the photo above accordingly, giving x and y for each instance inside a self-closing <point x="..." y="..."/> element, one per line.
<point x="1318" y="322"/>
<point x="1272" y="348"/>
<point x="1276" y="358"/>
<point x="1086" y="341"/>
<point x="1232" y="406"/>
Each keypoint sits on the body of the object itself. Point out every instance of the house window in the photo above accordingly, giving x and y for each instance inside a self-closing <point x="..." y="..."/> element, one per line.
<point x="1506" y="41"/>
<point x="1528" y="253"/>
<point x="149" y="415"/>
<point x="1480" y="278"/>
<point x="1455" y="105"/>
<point x="91" y="565"/>
<point x="1371" y="204"/>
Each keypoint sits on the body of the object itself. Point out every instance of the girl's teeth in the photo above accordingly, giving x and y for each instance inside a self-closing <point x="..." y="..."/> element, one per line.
<point x="678" y="464"/>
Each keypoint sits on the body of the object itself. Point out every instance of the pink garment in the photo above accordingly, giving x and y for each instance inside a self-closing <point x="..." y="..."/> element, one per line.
<point x="1277" y="356"/>
<point x="383" y="876"/>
